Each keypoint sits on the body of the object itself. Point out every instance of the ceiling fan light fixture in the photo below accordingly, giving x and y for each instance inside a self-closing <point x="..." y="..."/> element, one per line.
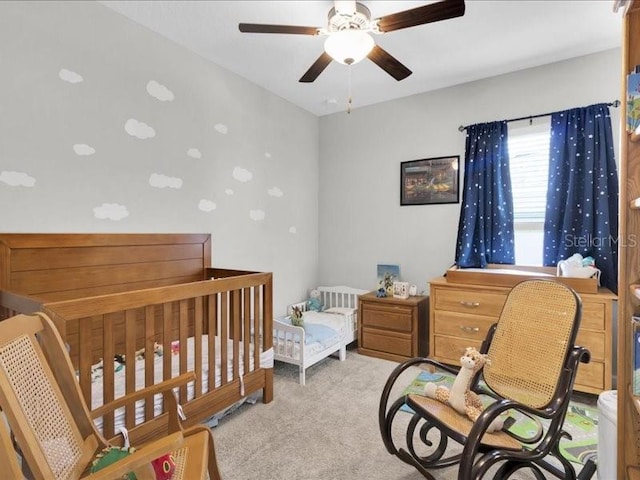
<point x="348" y="46"/>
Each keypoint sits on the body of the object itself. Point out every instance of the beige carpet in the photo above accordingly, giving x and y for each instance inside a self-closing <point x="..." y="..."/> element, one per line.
<point x="326" y="430"/>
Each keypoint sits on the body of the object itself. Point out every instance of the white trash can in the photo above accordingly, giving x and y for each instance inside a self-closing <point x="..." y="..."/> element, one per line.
<point x="607" y="434"/>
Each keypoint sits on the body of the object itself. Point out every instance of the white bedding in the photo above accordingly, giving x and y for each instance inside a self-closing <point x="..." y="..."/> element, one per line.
<point x="119" y="377"/>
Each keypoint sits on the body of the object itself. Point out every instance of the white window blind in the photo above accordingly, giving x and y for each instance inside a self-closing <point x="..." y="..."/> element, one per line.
<point x="529" y="164"/>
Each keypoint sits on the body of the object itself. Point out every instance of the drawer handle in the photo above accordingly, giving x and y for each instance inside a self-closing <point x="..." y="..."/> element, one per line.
<point x="470" y="304"/>
<point x="469" y="329"/>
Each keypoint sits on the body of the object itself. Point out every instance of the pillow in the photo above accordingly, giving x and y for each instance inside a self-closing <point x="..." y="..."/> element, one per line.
<point x="341" y="310"/>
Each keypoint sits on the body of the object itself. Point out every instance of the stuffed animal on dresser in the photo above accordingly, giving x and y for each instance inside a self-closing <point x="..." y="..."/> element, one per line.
<point x="460" y="397"/>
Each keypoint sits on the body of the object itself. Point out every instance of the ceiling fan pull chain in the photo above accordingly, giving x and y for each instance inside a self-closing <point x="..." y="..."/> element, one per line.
<point x="349" y="97"/>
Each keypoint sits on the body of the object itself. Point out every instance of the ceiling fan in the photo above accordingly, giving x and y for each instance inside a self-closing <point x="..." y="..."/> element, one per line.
<point x="348" y="33"/>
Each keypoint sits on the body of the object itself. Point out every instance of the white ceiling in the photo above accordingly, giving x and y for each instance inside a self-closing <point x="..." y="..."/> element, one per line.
<point x="492" y="38"/>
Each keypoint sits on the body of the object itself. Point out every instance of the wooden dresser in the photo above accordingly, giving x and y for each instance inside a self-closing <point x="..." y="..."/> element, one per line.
<point x="461" y="314"/>
<point x="392" y="328"/>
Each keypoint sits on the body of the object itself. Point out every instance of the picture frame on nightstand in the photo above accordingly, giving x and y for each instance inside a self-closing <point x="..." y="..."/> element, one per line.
<point x="401" y="290"/>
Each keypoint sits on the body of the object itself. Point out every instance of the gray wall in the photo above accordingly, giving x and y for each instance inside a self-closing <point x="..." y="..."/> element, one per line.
<point x="72" y="158"/>
<point x="361" y="221"/>
<point x="316" y="201"/>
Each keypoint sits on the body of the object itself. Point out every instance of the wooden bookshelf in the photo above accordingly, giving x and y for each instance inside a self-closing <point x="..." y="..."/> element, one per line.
<point x="629" y="275"/>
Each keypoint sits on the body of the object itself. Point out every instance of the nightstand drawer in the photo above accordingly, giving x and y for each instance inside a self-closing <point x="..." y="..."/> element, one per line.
<point x="387" y="342"/>
<point x="466" y="301"/>
<point x="389" y="318"/>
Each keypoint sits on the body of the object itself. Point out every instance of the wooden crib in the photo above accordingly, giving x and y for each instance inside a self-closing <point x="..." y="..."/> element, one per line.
<point x="143" y="308"/>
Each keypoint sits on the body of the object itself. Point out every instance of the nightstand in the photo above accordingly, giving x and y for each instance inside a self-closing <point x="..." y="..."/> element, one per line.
<point x="393" y="328"/>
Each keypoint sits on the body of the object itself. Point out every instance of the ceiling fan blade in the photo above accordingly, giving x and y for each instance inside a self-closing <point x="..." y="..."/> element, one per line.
<point x="263" y="28"/>
<point x="433" y="12"/>
<point x="388" y="63"/>
<point x="316" y="69"/>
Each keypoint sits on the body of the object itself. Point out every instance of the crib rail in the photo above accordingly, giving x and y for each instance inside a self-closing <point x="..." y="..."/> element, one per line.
<point x="236" y="309"/>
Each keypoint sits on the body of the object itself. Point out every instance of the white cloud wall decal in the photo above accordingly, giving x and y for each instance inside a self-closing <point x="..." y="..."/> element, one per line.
<point x="161" y="181"/>
<point x="242" y="174"/>
<point x="275" y="192"/>
<point x="194" y="153"/>
<point x="207" y="205"/>
<point x="17" y="179"/>
<point x="83" y="149"/>
<point x="228" y="191"/>
<point x="257" y="215"/>
<point x="69" y="76"/>
<point x="293" y="230"/>
<point x="221" y="128"/>
<point x="139" y="129"/>
<point x="159" y="91"/>
<point x="111" y="211"/>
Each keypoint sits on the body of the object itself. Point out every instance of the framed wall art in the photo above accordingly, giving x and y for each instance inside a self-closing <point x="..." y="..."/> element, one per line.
<point x="430" y="181"/>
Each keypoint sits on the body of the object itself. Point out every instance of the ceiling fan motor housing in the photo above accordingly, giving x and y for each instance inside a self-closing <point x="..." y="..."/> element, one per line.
<point x="360" y="20"/>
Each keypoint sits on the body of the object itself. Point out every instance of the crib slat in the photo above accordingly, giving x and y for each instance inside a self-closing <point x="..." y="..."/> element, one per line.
<point x="183" y="325"/>
<point x="235" y="312"/>
<point x="224" y="332"/>
<point x="130" y="363"/>
<point x="167" y="315"/>
<point x="258" y="322"/>
<point x="212" y="318"/>
<point x="108" y="373"/>
<point x="246" y="329"/>
<point x="197" y="334"/>
<point x="149" y="356"/>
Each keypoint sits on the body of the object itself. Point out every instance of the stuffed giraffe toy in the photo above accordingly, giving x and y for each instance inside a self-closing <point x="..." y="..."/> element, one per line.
<point x="460" y="397"/>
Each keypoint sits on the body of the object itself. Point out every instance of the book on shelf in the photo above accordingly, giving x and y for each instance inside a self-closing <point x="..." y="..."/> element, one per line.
<point x="633" y="100"/>
<point x="636" y="355"/>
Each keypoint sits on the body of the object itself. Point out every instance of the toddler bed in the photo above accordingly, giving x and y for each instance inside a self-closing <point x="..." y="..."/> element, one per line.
<point x="324" y="333"/>
<point x="112" y="296"/>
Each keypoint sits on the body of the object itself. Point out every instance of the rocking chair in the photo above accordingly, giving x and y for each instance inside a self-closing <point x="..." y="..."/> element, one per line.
<point x="531" y="370"/>
<point x="51" y="427"/>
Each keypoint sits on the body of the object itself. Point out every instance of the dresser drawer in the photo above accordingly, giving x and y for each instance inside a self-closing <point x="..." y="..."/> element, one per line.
<point x="389" y="318"/>
<point x="594" y="341"/>
<point x="454" y="324"/>
<point x="592" y="316"/>
<point x="449" y="349"/>
<point x="466" y="301"/>
<point x="591" y="375"/>
<point x="387" y="342"/>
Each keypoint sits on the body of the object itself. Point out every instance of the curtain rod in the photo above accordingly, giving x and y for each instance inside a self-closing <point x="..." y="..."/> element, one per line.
<point x="462" y="128"/>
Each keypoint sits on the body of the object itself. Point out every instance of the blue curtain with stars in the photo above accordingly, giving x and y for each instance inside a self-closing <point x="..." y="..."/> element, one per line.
<point x="485" y="230"/>
<point x="582" y="197"/>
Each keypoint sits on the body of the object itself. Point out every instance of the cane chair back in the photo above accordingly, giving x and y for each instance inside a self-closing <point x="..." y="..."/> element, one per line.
<point x="52" y="426"/>
<point x="531" y="343"/>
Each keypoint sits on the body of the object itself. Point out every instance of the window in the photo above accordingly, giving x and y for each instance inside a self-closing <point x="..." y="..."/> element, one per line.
<point x="529" y="167"/>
